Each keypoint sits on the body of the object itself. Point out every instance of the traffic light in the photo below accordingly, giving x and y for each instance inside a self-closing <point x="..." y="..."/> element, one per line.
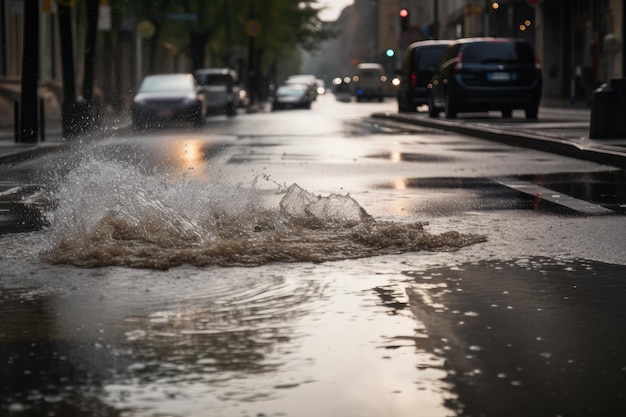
<point x="390" y="53"/>
<point x="404" y="20"/>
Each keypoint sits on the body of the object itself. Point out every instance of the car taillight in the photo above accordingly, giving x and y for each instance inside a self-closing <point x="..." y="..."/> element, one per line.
<point x="413" y="79"/>
<point x="458" y="67"/>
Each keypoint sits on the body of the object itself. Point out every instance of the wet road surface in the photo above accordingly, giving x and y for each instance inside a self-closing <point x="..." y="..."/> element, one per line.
<point x="526" y="322"/>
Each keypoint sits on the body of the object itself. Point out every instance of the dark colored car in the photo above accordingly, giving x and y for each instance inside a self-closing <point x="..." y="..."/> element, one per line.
<point x="307" y="79"/>
<point x="419" y="64"/>
<point x="484" y="74"/>
<point x="168" y="98"/>
<point x="222" y="89"/>
<point x="292" y="96"/>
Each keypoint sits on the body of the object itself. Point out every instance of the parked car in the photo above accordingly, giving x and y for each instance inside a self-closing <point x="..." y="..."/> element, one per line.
<point x="483" y="74"/>
<point x="168" y="98"/>
<point x="419" y="64"/>
<point x="370" y="82"/>
<point x="222" y="89"/>
<point x="307" y="79"/>
<point x="292" y="96"/>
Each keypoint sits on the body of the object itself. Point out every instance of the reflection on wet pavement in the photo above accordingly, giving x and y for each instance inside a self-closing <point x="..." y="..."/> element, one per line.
<point x="535" y="337"/>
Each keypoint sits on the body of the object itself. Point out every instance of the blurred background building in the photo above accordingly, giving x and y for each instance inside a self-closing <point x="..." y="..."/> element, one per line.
<point x="580" y="43"/>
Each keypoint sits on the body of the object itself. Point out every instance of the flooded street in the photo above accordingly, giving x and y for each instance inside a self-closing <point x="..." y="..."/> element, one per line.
<point x="312" y="263"/>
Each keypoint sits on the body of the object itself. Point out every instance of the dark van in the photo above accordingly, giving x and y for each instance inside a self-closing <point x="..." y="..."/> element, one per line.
<point x="418" y="66"/>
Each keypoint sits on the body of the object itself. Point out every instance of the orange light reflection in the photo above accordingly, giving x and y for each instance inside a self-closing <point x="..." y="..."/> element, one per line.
<point x="189" y="157"/>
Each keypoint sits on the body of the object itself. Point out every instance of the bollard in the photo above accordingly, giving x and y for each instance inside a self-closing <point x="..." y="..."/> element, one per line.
<point x="42" y="120"/>
<point x="603" y="123"/>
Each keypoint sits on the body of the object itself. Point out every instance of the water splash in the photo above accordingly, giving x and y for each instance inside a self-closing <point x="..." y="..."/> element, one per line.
<point x="109" y="213"/>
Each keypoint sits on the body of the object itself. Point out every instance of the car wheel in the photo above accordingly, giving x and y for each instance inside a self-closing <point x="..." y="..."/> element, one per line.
<point x="507" y="113"/>
<point x="531" y="112"/>
<point x="410" y="107"/>
<point x="450" y="107"/>
<point x="231" y="110"/>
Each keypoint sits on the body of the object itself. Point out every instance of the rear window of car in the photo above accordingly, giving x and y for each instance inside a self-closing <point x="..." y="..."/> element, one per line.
<point x="214" y="79"/>
<point x="166" y="83"/>
<point x="494" y="52"/>
<point x="369" y="73"/>
<point x="428" y="58"/>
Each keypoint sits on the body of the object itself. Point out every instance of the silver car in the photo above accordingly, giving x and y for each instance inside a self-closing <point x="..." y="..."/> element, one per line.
<point x="168" y="98"/>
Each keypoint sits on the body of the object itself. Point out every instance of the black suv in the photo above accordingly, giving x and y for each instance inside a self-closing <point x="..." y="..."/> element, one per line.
<point x="418" y="66"/>
<point x="483" y="74"/>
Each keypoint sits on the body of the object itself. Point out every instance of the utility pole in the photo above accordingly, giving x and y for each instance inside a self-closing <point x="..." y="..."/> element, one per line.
<point x="29" y="123"/>
<point x="90" y="57"/>
<point x="68" y="117"/>
<point x="77" y="117"/>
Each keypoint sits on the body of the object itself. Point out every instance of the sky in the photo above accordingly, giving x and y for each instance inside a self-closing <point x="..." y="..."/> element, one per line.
<point x="334" y="8"/>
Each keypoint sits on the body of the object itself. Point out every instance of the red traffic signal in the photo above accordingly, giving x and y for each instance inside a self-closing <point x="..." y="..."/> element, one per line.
<point x="404" y="20"/>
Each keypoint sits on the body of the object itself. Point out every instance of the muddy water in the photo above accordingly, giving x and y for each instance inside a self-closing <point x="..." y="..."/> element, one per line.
<point x="113" y="214"/>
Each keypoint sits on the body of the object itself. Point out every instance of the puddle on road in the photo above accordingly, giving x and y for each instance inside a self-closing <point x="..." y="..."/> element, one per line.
<point x="606" y="189"/>
<point x="111" y="214"/>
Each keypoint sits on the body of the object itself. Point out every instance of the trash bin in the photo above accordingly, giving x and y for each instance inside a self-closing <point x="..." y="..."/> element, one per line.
<point x="619" y="85"/>
<point x="603" y="123"/>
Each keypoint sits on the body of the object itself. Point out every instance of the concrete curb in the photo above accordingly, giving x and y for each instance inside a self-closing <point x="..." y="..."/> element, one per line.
<point x="595" y="152"/>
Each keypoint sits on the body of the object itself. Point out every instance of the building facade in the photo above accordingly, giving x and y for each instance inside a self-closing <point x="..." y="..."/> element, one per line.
<point x="580" y="43"/>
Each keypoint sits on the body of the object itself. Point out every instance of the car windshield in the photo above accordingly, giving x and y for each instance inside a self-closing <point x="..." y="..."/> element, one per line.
<point x="494" y="52"/>
<point x="166" y="83"/>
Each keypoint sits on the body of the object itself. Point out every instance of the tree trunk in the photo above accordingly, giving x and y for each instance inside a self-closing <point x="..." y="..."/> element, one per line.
<point x="197" y="42"/>
<point x="29" y="126"/>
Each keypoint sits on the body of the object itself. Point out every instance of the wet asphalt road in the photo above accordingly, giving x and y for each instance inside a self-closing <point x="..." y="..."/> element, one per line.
<point x="527" y="322"/>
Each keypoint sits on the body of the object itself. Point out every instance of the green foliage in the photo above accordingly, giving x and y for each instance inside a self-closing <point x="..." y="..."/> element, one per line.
<point x="220" y="29"/>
